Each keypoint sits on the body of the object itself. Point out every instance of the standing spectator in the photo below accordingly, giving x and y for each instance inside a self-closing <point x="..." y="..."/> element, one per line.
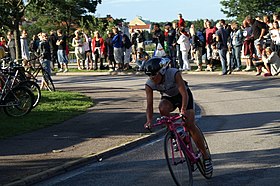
<point x="3" y="42"/>
<point x="24" y="45"/>
<point x="3" y="45"/>
<point x="196" y="47"/>
<point x="34" y="44"/>
<point x="248" y="45"/>
<point x="140" y="39"/>
<point x="118" y="48"/>
<point x="209" y="39"/>
<point x="88" y="54"/>
<point x="61" y="51"/>
<point x="98" y="49"/>
<point x="184" y="42"/>
<point x="52" y="42"/>
<point x="259" y="31"/>
<point x="221" y="39"/>
<point x="170" y="38"/>
<point x="229" y="54"/>
<point x="275" y="37"/>
<point x="236" y="39"/>
<point x="110" y="51"/>
<point x="158" y="35"/>
<point x="181" y="22"/>
<point x="11" y="45"/>
<point x="45" y="52"/>
<point x="134" y="44"/>
<point x="2" y="48"/>
<point x="127" y="50"/>
<point x="178" y="51"/>
<point x="78" y="43"/>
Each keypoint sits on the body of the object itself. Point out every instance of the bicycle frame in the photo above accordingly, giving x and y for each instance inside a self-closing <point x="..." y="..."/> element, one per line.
<point x="171" y="124"/>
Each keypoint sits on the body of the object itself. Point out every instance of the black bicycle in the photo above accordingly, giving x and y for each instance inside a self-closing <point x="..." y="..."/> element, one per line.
<point x="16" y="73"/>
<point x="15" y="101"/>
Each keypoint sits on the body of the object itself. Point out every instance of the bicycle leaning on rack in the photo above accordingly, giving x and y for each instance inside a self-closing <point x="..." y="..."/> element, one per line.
<point x="182" y="155"/>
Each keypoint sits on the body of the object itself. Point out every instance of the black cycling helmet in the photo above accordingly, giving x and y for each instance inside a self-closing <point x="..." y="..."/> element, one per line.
<point x="154" y="65"/>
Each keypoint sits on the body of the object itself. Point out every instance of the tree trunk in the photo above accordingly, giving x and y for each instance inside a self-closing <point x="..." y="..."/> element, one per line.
<point x="17" y="40"/>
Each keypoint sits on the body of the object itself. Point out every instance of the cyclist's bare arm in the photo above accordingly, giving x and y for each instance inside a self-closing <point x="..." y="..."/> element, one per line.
<point x="182" y="89"/>
<point x="149" y="109"/>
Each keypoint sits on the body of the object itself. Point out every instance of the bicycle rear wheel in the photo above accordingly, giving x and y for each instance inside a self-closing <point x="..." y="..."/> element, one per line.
<point x="48" y="81"/>
<point x="177" y="161"/>
<point x="18" y="102"/>
<point x="200" y="163"/>
<point x="35" y="88"/>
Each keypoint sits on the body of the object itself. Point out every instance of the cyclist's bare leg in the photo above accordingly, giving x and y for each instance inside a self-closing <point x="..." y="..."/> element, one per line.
<point x="165" y="107"/>
<point x="195" y="133"/>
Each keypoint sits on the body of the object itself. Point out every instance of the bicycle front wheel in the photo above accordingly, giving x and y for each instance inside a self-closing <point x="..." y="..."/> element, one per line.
<point x="48" y="82"/>
<point x="18" y="102"/>
<point x="177" y="161"/>
<point x="35" y="88"/>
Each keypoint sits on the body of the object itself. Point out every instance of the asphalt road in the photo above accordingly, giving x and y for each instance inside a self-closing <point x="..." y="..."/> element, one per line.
<point x="241" y="121"/>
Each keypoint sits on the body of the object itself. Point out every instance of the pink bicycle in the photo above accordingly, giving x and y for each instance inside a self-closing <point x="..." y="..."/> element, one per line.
<point x="182" y="155"/>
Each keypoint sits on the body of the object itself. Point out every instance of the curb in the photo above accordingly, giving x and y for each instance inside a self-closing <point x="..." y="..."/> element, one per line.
<point x="86" y="159"/>
<point x="217" y="73"/>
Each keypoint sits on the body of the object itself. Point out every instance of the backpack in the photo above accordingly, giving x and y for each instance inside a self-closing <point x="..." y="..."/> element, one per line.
<point x="200" y="38"/>
<point x="197" y="42"/>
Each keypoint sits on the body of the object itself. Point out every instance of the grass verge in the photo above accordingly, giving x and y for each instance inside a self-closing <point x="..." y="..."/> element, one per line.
<point x="54" y="108"/>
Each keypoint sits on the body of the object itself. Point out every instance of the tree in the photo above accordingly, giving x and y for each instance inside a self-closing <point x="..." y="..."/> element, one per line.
<point x="239" y="9"/>
<point x="61" y="13"/>
<point x="55" y="12"/>
<point x="12" y="12"/>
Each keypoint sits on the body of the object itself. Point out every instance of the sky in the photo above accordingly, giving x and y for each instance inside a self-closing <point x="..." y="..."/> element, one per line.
<point x="161" y="10"/>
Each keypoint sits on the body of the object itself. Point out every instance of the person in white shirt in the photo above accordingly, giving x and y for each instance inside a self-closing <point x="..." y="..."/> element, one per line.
<point x="275" y="37"/>
<point x="271" y="62"/>
<point x="185" y="46"/>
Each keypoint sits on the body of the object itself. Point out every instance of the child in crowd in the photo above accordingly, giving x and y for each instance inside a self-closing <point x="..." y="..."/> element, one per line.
<point x="271" y="62"/>
<point x="215" y="59"/>
<point x="141" y="58"/>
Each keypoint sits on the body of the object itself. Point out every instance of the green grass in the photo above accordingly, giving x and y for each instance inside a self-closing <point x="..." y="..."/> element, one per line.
<point x="54" y="108"/>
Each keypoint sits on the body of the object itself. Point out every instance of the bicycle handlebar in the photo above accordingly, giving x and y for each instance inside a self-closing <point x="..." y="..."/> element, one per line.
<point x="163" y="120"/>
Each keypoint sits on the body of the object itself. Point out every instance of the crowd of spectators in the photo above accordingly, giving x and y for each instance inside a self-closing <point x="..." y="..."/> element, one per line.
<point x="256" y="40"/>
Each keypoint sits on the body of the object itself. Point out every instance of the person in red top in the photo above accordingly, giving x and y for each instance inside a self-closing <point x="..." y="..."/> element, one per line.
<point x="98" y="50"/>
<point x="181" y="22"/>
<point x="210" y="32"/>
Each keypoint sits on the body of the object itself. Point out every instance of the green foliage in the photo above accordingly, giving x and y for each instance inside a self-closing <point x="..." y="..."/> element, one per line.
<point x="239" y="9"/>
<point x="63" y="14"/>
<point x="198" y="24"/>
<point x="11" y="12"/>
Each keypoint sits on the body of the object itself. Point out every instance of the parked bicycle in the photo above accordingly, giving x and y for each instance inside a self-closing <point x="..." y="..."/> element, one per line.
<point x="15" y="101"/>
<point x="16" y="74"/>
<point x="182" y="155"/>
